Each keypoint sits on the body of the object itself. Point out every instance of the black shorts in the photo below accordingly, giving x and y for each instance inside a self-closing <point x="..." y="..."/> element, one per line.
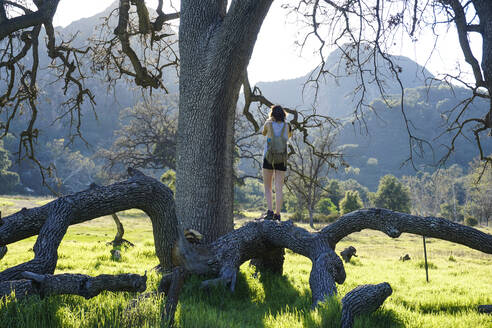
<point x="277" y="167"/>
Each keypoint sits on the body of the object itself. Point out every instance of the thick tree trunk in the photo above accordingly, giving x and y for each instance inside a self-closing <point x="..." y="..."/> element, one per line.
<point x="215" y="48"/>
<point x="52" y="220"/>
<point x="73" y="284"/>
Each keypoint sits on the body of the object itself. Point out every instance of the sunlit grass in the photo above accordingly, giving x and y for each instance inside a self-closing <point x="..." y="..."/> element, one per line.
<point x="459" y="282"/>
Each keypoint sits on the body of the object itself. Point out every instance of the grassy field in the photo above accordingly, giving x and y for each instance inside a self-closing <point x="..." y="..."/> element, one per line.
<point x="459" y="282"/>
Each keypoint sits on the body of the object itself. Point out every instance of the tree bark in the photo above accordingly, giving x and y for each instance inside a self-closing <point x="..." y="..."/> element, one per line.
<point x="3" y="251"/>
<point x="485" y="308"/>
<point x="224" y="256"/>
<point x="120" y="231"/>
<point x="215" y="48"/>
<point x="363" y="299"/>
<point x="177" y="280"/>
<point x="52" y="220"/>
<point x="73" y="284"/>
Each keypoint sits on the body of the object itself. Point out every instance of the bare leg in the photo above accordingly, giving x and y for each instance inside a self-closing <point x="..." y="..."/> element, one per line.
<point x="279" y="195"/>
<point x="267" y="183"/>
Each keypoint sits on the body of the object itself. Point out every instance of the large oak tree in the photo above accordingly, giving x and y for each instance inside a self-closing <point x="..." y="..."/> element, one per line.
<point x="216" y="40"/>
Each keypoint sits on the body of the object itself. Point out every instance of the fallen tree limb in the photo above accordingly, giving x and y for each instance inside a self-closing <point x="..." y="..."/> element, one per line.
<point x="363" y="299"/>
<point x="395" y="223"/>
<point x="255" y="239"/>
<point x="72" y="284"/>
<point x="485" y="308"/>
<point x="222" y="257"/>
<point x="52" y="220"/>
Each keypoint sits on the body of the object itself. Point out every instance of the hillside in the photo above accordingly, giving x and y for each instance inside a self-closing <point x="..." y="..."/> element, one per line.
<point x="378" y="144"/>
<point x="374" y="149"/>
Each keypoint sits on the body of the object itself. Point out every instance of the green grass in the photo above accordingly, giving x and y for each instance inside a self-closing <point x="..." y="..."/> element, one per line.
<point x="459" y="282"/>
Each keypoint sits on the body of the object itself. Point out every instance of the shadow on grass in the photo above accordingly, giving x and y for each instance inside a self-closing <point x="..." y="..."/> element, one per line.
<point x="27" y="312"/>
<point x="267" y="301"/>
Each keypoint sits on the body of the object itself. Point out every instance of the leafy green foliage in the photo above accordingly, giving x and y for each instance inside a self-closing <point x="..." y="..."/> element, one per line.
<point x="249" y="195"/>
<point x="8" y="180"/>
<point x="334" y="191"/>
<point x="392" y="194"/>
<point x="350" y="202"/>
<point x="326" y="206"/>
<point x="352" y="184"/>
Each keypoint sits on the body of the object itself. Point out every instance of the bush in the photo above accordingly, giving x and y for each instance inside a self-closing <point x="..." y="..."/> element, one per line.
<point x="326" y="206"/>
<point x="298" y="216"/>
<point x="350" y="202"/>
<point x="471" y="221"/>
<point x="325" y="218"/>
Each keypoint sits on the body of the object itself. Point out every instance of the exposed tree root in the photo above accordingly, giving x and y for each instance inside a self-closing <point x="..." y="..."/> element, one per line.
<point x="363" y="299"/>
<point x="347" y="253"/>
<point x="485" y="308"/>
<point x="178" y="277"/>
<point x="263" y="241"/>
<point x="73" y="284"/>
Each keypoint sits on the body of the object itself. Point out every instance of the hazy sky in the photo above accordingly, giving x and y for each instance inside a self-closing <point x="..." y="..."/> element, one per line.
<point x="275" y="55"/>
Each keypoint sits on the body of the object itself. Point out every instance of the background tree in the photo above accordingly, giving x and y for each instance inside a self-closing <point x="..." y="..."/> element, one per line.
<point x="147" y="139"/>
<point x="334" y="191"/>
<point x="350" y="202"/>
<point x="440" y="193"/>
<point x="308" y="170"/>
<point x="352" y="184"/>
<point x="479" y="193"/>
<point x="8" y="180"/>
<point x="392" y="194"/>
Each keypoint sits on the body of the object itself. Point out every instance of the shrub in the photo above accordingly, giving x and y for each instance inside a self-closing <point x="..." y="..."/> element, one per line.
<point x="325" y="218"/>
<point x="298" y="216"/>
<point x="326" y="206"/>
<point x="471" y="221"/>
<point x="350" y="202"/>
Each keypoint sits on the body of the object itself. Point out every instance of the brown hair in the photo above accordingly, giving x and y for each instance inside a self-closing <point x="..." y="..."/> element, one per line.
<point x="277" y="113"/>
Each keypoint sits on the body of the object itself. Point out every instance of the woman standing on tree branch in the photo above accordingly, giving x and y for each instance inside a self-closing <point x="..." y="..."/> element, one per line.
<point x="277" y="132"/>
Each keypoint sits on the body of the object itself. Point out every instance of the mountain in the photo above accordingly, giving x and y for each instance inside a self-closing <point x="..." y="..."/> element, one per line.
<point x="98" y="123"/>
<point x="336" y="96"/>
<point x="378" y="143"/>
<point x="379" y="151"/>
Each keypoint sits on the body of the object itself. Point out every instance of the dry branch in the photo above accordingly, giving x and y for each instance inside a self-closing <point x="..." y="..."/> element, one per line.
<point x="73" y="284"/>
<point x="120" y="231"/>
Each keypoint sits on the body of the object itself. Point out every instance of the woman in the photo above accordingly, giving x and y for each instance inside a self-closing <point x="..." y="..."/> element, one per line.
<point x="274" y="128"/>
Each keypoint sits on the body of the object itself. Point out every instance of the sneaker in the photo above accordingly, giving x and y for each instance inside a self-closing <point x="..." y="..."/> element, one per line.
<point x="267" y="216"/>
<point x="276" y="217"/>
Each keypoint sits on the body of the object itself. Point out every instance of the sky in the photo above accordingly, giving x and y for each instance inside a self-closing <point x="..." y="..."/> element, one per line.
<point x="276" y="56"/>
